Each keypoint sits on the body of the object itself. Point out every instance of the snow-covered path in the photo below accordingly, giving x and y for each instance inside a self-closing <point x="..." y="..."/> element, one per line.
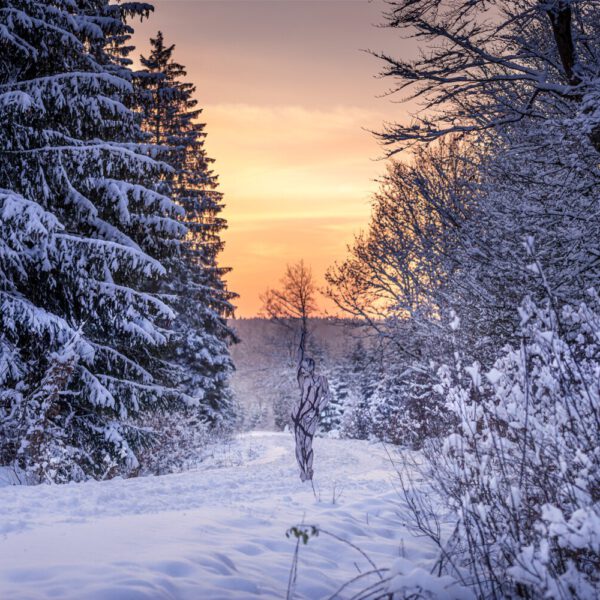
<point x="213" y="533"/>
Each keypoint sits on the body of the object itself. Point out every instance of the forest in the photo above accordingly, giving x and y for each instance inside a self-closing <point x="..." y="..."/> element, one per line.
<point x="461" y="349"/>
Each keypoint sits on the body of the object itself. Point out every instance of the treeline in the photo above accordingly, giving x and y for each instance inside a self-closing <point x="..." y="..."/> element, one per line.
<point x="479" y="274"/>
<point x="114" y="342"/>
<point x="265" y="385"/>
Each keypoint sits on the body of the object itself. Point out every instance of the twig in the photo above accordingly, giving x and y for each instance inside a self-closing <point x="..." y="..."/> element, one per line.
<point x="357" y="578"/>
<point x="293" y="573"/>
<point x="312" y="484"/>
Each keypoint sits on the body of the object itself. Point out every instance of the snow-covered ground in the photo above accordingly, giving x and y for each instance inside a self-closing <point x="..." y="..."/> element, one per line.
<point x="214" y="533"/>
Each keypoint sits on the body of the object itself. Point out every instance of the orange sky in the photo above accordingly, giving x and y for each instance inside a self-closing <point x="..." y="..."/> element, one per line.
<point x="287" y="96"/>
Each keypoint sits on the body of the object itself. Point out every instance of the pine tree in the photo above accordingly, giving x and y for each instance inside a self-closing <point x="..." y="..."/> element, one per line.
<point x="332" y="416"/>
<point x="195" y="281"/>
<point x="83" y="229"/>
<point x="364" y="374"/>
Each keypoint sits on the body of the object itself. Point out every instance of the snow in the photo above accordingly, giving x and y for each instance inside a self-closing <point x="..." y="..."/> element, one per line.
<point x="217" y="532"/>
<point x="420" y="584"/>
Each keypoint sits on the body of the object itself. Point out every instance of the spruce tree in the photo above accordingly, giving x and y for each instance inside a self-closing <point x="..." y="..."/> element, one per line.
<point x="83" y="229"/>
<point x="332" y="415"/>
<point x="364" y="374"/>
<point x="195" y="284"/>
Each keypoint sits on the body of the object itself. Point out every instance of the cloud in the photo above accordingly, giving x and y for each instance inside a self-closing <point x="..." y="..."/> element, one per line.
<point x="297" y="183"/>
<point x="260" y="250"/>
<point x="290" y="152"/>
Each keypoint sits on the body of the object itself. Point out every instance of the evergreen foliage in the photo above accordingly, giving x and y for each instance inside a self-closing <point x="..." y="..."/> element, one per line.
<point x="339" y="399"/>
<point x="198" y="352"/>
<point x="363" y="375"/>
<point x="83" y="229"/>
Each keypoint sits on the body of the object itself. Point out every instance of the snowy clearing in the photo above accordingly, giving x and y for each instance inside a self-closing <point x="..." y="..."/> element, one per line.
<point x="216" y="532"/>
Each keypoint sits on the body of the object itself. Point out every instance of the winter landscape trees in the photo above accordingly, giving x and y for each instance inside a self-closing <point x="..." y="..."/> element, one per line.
<point x="91" y="223"/>
<point x="195" y="283"/>
<point x="471" y="337"/>
<point x="484" y="242"/>
<point x="197" y="352"/>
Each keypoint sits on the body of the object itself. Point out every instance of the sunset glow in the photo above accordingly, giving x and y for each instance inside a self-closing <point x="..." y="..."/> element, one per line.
<point x="289" y="99"/>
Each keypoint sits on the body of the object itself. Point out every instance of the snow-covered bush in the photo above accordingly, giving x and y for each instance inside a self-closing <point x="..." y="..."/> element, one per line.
<point x="522" y="469"/>
<point x="383" y="399"/>
<point x="183" y="439"/>
<point x="407" y="409"/>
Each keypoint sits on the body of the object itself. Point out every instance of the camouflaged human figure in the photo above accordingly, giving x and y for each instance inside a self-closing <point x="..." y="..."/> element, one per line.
<point x="314" y="397"/>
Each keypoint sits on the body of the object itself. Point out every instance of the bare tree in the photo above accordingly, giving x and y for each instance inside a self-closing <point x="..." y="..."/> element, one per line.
<point x="291" y="306"/>
<point x="491" y="64"/>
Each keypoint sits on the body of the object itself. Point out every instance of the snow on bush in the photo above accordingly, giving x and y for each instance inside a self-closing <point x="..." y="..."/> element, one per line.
<point x="185" y="439"/>
<point x="410" y="582"/>
<point x="522" y="470"/>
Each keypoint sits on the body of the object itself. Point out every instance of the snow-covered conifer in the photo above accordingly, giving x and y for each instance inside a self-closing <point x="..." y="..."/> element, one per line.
<point x="363" y="372"/>
<point x="339" y="398"/>
<point x="82" y="232"/>
<point x="195" y="286"/>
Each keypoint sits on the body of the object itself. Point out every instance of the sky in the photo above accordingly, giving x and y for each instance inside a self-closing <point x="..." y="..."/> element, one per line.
<point x="289" y="96"/>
